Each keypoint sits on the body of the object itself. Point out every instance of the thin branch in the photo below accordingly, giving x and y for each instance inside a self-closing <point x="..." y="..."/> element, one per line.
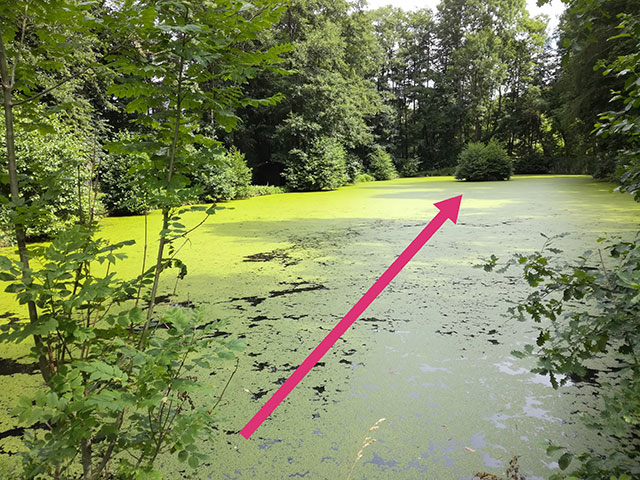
<point x="144" y="256"/>
<point x="19" y="54"/>
<point x="225" y="387"/>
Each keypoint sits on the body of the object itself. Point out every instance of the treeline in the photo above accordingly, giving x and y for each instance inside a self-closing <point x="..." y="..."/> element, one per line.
<point x="359" y="95"/>
<point x="421" y="85"/>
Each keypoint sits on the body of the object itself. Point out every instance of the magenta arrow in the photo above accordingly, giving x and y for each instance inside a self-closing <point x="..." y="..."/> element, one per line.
<point x="448" y="210"/>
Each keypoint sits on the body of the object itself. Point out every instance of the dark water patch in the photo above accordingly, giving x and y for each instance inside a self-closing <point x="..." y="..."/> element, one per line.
<point x="253" y="301"/>
<point x="185" y="304"/>
<point x="320" y="389"/>
<point x="9" y="366"/>
<point x="269" y="443"/>
<point x="298" y="474"/>
<point x="295" y="317"/>
<point x="11" y="316"/>
<point x="163" y="298"/>
<point x="494" y="341"/>
<point x="259" y="394"/>
<point x="218" y="333"/>
<point x="371" y="319"/>
<point x="295" y="289"/>
<point x="590" y="377"/>
<point x="5" y="452"/>
<point x="451" y="332"/>
<point x="279" y="255"/>
<point x="261" y="366"/>
<point x="19" y="431"/>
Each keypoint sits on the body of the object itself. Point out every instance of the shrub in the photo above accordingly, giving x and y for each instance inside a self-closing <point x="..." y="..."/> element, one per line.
<point x="583" y="312"/>
<point x="323" y="168"/>
<point x="364" y="177"/>
<point x="410" y="167"/>
<point x="124" y="192"/>
<point x="227" y="178"/>
<point x="51" y="165"/>
<point x="480" y="162"/>
<point x="354" y="167"/>
<point x="381" y="165"/>
<point x="261" y="190"/>
<point x="472" y="164"/>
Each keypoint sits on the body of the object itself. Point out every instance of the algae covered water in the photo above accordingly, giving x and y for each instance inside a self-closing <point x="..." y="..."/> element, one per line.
<point x="431" y="355"/>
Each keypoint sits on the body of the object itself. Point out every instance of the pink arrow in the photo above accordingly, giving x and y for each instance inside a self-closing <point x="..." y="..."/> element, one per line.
<point x="448" y="210"/>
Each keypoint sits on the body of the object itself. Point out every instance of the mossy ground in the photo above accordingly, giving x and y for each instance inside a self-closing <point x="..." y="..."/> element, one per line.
<point x="431" y="355"/>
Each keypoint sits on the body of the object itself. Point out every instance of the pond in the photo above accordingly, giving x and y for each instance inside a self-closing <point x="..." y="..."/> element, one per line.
<point x="431" y="355"/>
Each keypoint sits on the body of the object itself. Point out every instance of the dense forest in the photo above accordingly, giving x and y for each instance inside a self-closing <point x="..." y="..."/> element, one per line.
<point x="349" y="94"/>
<point x="115" y="108"/>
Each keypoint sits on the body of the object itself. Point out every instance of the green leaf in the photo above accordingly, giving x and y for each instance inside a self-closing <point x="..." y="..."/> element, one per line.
<point x="194" y="461"/>
<point x="565" y="460"/>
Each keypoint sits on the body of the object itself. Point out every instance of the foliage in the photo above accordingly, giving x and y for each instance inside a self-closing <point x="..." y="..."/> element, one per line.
<point x="381" y="165"/>
<point x="534" y="162"/>
<point x="479" y="162"/>
<point x="261" y="190"/>
<point x="584" y="311"/>
<point x="331" y="91"/>
<point x="225" y="179"/>
<point x="108" y="393"/>
<point x="354" y="167"/>
<point x="410" y="167"/>
<point x="323" y="168"/>
<point x="364" y="177"/>
<point x="55" y="171"/>
<point x="624" y="123"/>
<point x="124" y="192"/>
<point x="117" y="387"/>
<point x="512" y="473"/>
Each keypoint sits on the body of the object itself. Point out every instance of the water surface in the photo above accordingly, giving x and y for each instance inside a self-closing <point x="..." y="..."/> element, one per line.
<point x="430" y="355"/>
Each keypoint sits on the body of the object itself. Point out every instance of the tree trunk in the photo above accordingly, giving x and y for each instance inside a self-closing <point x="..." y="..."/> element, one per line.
<point x="14" y="187"/>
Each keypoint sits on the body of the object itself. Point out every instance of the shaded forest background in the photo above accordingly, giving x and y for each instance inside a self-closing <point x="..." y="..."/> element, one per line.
<point x="359" y="94"/>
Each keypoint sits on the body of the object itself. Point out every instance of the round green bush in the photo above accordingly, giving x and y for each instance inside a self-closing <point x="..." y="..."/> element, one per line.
<point x="322" y="168"/>
<point x="381" y="165"/>
<point x="479" y="162"/>
<point x="227" y="178"/>
<point x="410" y="167"/>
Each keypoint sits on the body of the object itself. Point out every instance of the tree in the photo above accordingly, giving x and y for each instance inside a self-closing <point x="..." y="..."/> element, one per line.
<point x="113" y="384"/>
<point x="331" y="94"/>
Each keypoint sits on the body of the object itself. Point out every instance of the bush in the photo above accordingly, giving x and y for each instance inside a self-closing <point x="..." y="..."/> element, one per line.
<point x="261" y="190"/>
<point x="585" y="311"/>
<point x="124" y="192"/>
<point x="51" y="166"/>
<point x="410" y="167"/>
<point x="479" y="162"/>
<point x="381" y="165"/>
<point x="354" y="167"/>
<point x="323" y="168"/>
<point x="364" y="177"/>
<point x="228" y="178"/>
